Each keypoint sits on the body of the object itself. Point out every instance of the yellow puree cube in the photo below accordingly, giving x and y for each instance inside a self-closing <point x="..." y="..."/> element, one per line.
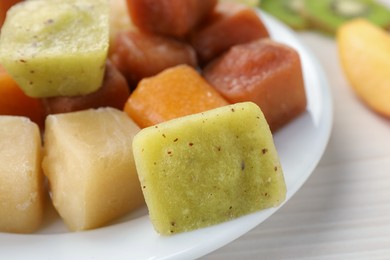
<point x="89" y="162"/>
<point x="21" y="178"/>
<point x="207" y="168"/>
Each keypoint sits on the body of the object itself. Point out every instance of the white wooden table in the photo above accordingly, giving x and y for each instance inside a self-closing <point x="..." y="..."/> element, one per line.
<point x="343" y="210"/>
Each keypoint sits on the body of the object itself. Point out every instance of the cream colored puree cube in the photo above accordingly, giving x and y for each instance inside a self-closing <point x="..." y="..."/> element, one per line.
<point x="88" y="160"/>
<point x="207" y="168"/>
<point x="21" y="178"/>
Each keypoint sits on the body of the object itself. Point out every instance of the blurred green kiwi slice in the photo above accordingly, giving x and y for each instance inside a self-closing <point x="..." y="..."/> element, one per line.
<point x="287" y="11"/>
<point x="328" y="15"/>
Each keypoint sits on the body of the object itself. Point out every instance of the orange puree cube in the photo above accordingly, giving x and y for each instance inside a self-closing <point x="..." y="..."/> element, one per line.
<point x="14" y="102"/>
<point x="230" y="24"/>
<point x="114" y="92"/>
<point x="175" y="92"/>
<point x="264" y="72"/>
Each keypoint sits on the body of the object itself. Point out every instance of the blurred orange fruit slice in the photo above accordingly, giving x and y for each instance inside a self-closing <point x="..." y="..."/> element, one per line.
<point x="364" y="51"/>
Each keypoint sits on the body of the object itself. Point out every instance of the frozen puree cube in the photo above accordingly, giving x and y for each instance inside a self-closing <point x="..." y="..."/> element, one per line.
<point x="88" y="160"/>
<point x="138" y="55"/>
<point x="177" y="91"/>
<point x="207" y="168"/>
<point x="265" y="72"/>
<point x="169" y="17"/>
<point x="230" y="24"/>
<point x="14" y="102"/>
<point x="114" y="92"/>
<point x="56" y="48"/>
<point x="21" y="178"/>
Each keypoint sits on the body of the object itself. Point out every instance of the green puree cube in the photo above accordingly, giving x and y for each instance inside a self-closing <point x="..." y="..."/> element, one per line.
<point x="207" y="168"/>
<point x="56" y="47"/>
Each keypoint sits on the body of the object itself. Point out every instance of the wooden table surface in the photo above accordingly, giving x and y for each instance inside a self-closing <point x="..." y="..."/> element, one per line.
<point x="343" y="210"/>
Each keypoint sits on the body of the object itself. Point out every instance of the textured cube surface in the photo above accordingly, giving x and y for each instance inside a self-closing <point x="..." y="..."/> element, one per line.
<point x="207" y="168"/>
<point x="169" y="17"/>
<point x="265" y="72"/>
<point x="21" y="178"/>
<point x="175" y="92"/>
<point x="56" y="48"/>
<point x="89" y="162"/>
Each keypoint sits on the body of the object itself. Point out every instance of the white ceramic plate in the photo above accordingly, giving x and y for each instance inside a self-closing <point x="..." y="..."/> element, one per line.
<point x="300" y="146"/>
